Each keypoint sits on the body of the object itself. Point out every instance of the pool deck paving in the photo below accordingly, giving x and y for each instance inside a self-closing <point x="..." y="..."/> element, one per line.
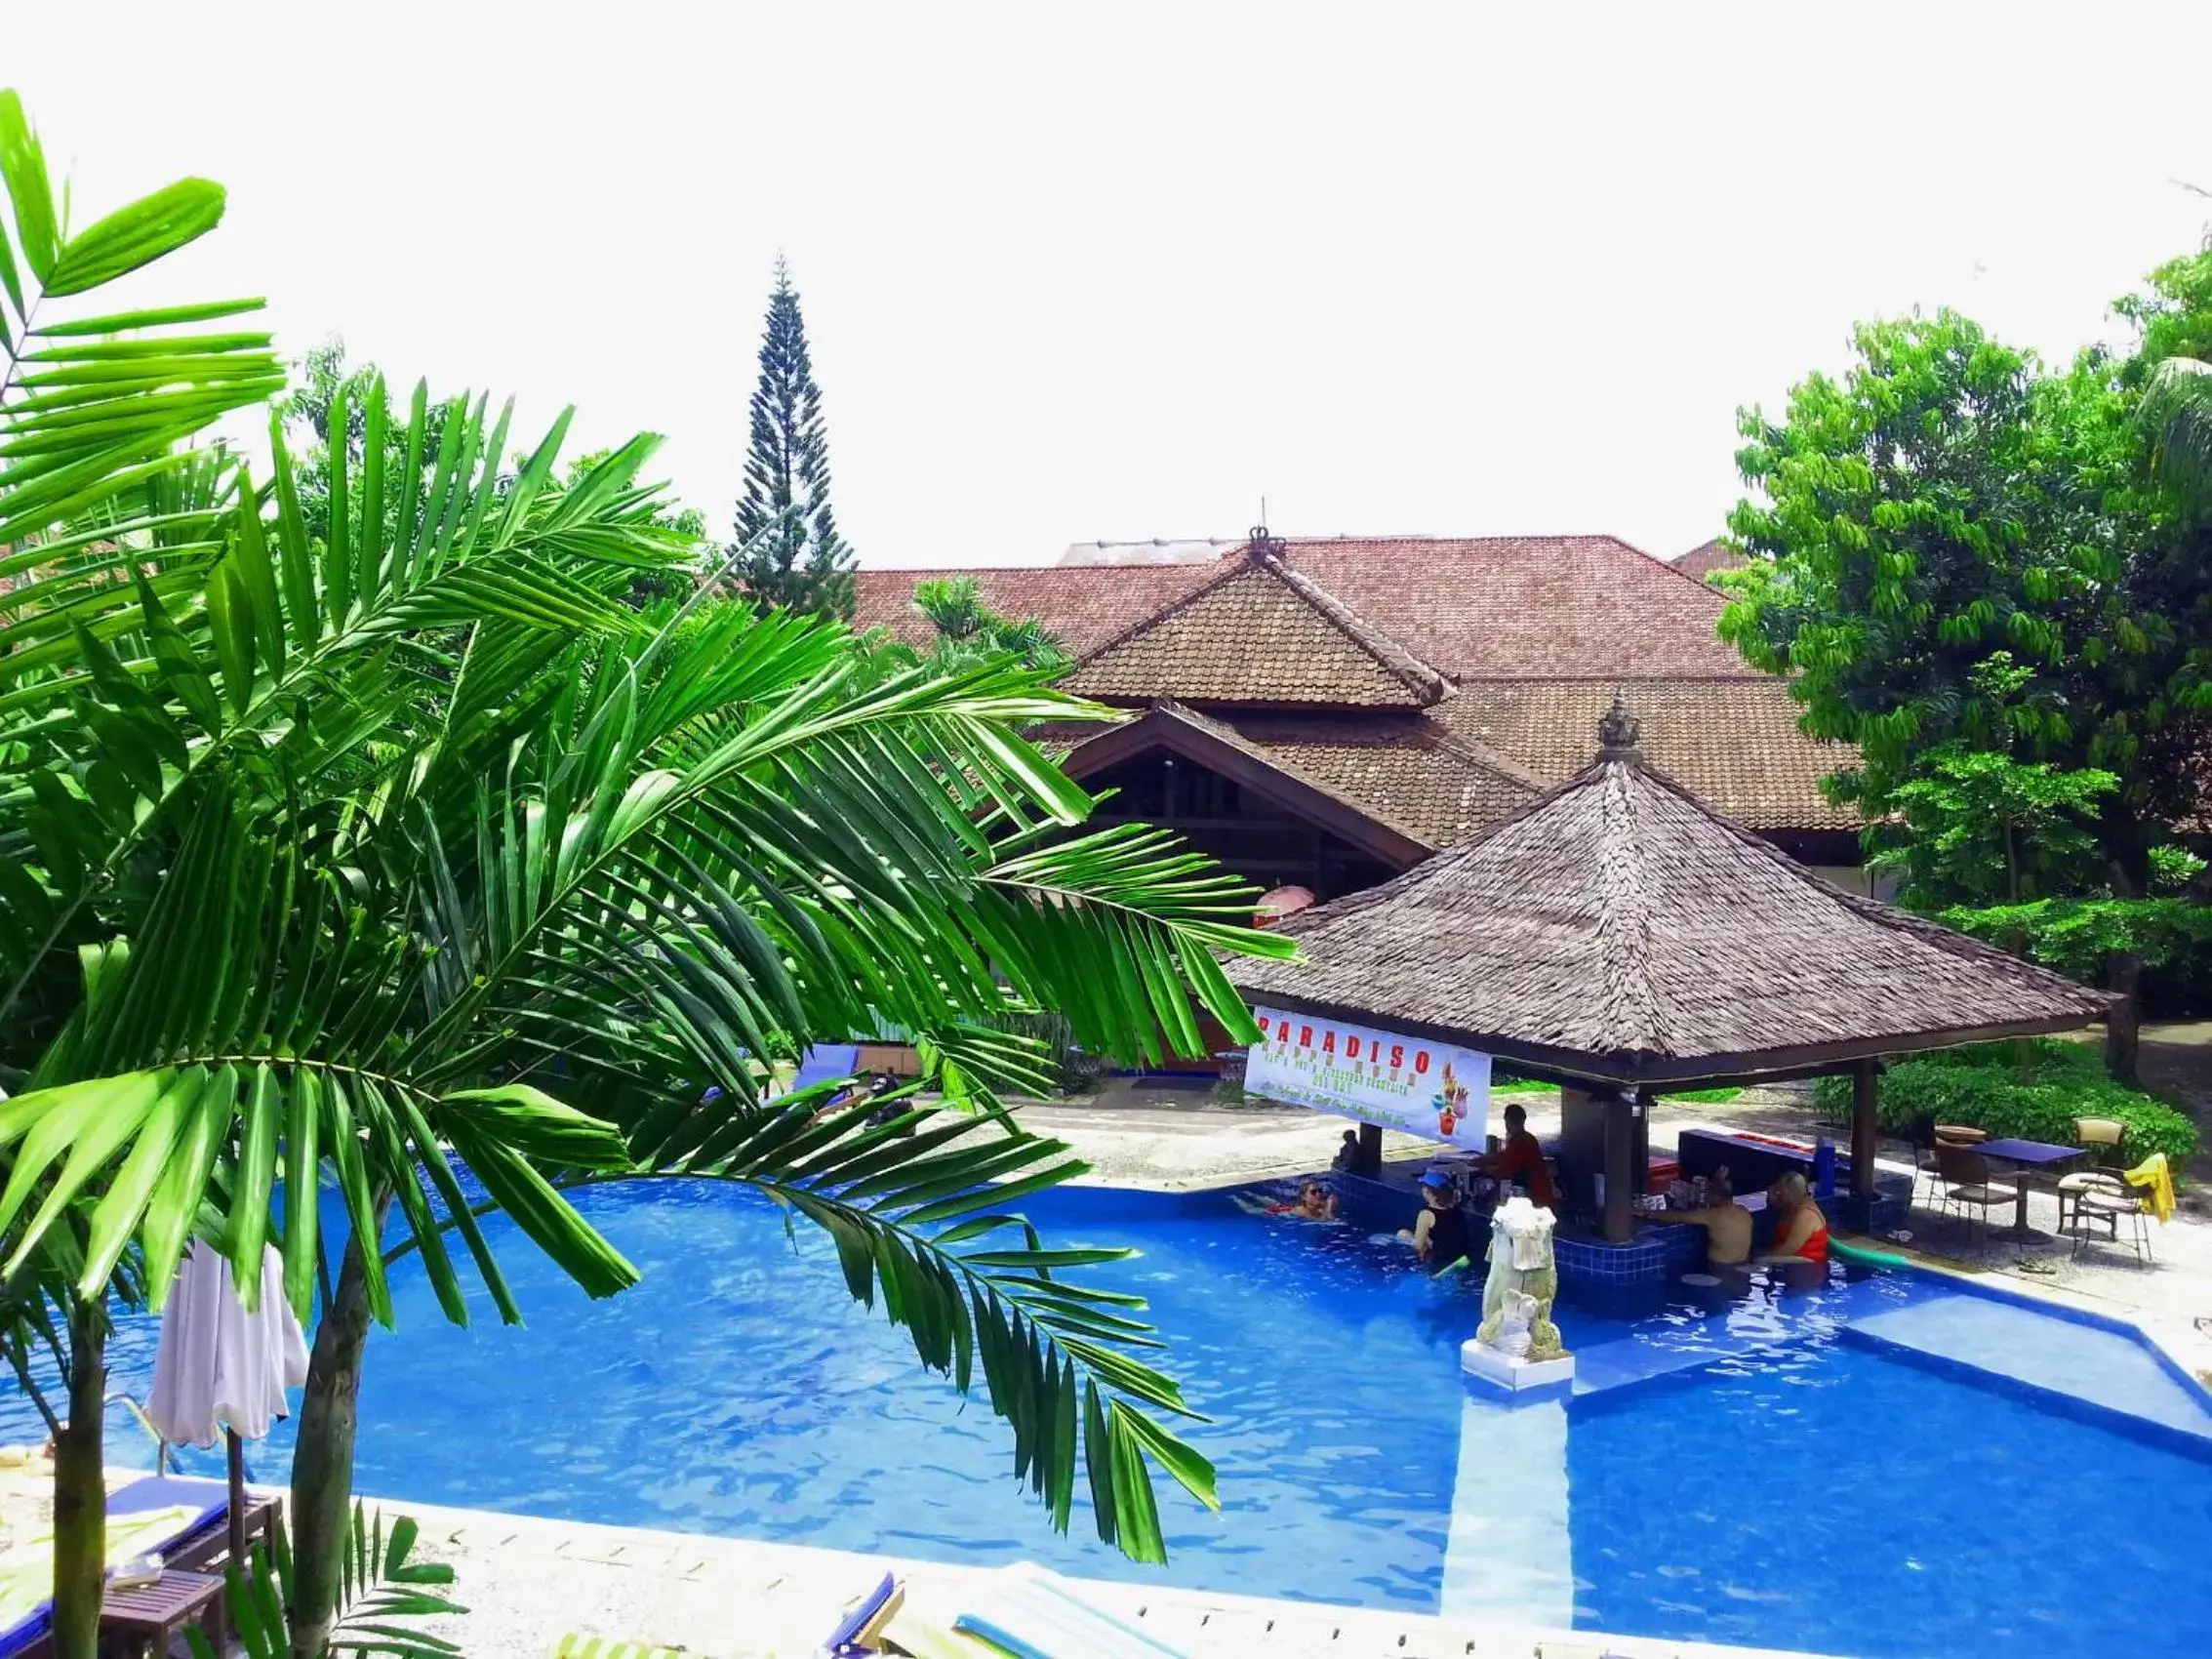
<point x="527" y="1581"/>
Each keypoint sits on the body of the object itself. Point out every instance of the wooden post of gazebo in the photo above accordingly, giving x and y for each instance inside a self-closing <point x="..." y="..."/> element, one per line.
<point x="1620" y="1166"/>
<point x="1862" y="1128"/>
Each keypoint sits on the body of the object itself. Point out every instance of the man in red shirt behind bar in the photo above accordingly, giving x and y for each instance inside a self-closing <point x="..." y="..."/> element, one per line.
<point x="1522" y="1160"/>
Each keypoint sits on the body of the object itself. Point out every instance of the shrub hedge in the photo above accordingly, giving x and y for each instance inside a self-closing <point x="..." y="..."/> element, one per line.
<point x="1983" y="1086"/>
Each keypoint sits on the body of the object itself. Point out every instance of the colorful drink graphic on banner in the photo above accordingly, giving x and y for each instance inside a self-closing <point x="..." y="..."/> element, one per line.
<point x="1424" y="1088"/>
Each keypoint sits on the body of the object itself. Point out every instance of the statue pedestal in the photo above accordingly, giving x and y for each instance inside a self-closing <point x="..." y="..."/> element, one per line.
<point x="1514" y="1375"/>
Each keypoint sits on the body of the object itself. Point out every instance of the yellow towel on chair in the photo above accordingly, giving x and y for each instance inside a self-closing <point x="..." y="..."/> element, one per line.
<point x="2157" y="1184"/>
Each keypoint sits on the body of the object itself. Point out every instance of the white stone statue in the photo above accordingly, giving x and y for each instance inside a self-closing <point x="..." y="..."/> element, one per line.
<point x="1523" y="1281"/>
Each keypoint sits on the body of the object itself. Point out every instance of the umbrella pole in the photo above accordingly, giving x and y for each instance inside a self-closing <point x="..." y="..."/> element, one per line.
<point x="237" y="1497"/>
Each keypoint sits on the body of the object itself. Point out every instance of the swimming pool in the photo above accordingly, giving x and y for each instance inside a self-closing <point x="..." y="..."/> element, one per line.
<point x="1755" y="1472"/>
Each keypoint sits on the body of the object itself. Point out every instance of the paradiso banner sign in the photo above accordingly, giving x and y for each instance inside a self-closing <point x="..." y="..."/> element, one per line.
<point x="1423" y="1088"/>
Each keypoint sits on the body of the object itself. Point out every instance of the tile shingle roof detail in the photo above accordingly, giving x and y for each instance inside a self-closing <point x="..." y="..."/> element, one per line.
<point x="1258" y="633"/>
<point x="1734" y="743"/>
<point x="1483" y="607"/>
<point x="1535" y="634"/>
<point x="1403" y="769"/>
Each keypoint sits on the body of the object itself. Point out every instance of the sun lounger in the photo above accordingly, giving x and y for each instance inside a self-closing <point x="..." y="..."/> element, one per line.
<point x="158" y="1515"/>
<point x="1036" y="1614"/>
<point x="856" y="1632"/>
<point x="826" y="1063"/>
<point x="577" y="1646"/>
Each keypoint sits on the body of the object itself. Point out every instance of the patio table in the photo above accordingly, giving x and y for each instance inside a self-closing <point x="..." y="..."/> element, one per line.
<point x="2026" y="1158"/>
<point x="148" y="1619"/>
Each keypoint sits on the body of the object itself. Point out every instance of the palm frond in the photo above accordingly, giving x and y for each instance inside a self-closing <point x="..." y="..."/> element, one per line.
<point x="2178" y="408"/>
<point x="93" y="403"/>
<point x="381" y="1582"/>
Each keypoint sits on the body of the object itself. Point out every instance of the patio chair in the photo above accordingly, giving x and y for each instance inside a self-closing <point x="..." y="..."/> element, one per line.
<point x="1922" y="1135"/>
<point x="1966" y="1184"/>
<point x="2111" y="1205"/>
<point x="2103" y="1138"/>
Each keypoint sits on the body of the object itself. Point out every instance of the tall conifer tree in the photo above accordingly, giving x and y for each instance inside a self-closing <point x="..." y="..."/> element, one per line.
<point x="800" y="563"/>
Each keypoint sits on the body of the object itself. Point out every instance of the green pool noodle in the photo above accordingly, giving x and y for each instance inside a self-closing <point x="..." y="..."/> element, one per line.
<point x="1861" y="1257"/>
<point x="1450" y="1268"/>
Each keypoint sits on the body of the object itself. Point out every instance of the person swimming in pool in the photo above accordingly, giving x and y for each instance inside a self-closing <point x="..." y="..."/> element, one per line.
<point x="1313" y="1203"/>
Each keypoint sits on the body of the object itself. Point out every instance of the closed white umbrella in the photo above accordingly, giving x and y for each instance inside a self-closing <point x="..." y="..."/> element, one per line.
<point x="223" y="1369"/>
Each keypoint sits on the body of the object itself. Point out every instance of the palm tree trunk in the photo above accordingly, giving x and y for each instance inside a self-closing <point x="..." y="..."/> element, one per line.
<point x="322" y="1459"/>
<point x="80" y="1491"/>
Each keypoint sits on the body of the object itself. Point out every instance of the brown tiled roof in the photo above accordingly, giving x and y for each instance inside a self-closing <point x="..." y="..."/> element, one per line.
<point x="1086" y="605"/>
<point x="1538" y="632"/>
<point x="1487" y="607"/>
<point x="1733" y="742"/>
<point x="1258" y="633"/>
<point x="1615" y="929"/>
<point x="1401" y="768"/>
<point x="1702" y="560"/>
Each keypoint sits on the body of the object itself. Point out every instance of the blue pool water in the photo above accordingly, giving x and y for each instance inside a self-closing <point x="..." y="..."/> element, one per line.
<point x="1743" y="1472"/>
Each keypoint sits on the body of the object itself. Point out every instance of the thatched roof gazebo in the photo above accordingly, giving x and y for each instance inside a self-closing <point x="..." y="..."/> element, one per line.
<point x="1616" y="937"/>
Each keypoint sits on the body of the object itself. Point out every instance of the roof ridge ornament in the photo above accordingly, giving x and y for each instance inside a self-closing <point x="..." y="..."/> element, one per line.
<point x="1262" y="545"/>
<point x="1617" y="733"/>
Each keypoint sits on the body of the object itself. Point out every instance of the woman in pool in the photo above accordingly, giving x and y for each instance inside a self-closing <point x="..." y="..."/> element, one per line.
<point x="1800" y="1231"/>
<point x="1440" y="1233"/>
<point x="1313" y="1205"/>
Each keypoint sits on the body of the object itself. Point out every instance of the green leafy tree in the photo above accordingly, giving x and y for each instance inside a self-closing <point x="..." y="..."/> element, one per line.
<point x="1979" y="828"/>
<point x="1975" y="827"/>
<point x="1949" y="508"/>
<point x="1947" y="500"/>
<point x="2174" y="370"/>
<point x="788" y="554"/>
<point x="383" y="1587"/>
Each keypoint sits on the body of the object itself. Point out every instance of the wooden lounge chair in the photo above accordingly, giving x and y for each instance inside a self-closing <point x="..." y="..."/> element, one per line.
<point x="134" y="1528"/>
<point x="1966" y="1184"/>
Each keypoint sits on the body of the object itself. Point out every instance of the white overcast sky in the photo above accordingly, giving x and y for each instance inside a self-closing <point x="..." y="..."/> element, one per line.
<point x="1119" y="270"/>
